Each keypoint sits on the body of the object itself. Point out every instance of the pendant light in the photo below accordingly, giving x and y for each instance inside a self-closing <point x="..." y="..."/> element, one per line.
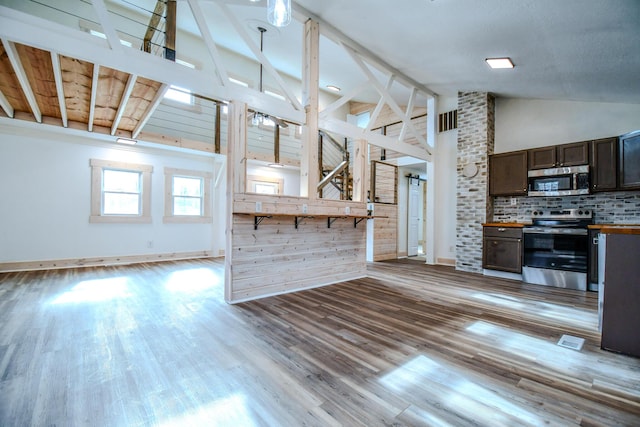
<point x="279" y="12"/>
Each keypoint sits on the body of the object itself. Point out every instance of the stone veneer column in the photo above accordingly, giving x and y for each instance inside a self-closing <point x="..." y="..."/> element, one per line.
<point x="476" y="132"/>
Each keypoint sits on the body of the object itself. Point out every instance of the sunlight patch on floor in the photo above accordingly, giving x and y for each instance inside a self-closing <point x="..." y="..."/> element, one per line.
<point x="98" y="290"/>
<point x="231" y="412"/>
<point x="538" y="308"/>
<point x="192" y="281"/>
<point x="455" y="392"/>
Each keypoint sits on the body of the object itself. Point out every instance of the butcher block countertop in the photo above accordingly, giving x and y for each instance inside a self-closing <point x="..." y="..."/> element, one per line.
<point x="618" y="228"/>
<point x="504" y="224"/>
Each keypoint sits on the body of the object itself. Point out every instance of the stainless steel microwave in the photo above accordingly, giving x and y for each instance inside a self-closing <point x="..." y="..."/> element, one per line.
<point x="568" y="181"/>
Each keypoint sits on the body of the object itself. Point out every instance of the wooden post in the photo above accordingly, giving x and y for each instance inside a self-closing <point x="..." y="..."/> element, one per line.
<point x="236" y="181"/>
<point x="276" y="143"/>
<point x="154" y="22"/>
<point x="310" y="89"/>
<point x="216" y="137"/>
<point x="170" y="31"/>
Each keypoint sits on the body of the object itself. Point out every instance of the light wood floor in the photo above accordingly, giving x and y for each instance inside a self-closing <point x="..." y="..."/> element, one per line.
<point x="154" y="344"/>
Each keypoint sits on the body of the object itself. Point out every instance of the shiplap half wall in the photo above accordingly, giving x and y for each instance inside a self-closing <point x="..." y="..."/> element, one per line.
<point x="278" y="258"/>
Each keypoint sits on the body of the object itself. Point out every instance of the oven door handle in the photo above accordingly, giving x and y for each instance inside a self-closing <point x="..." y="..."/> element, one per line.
<point x="556" y="232"/>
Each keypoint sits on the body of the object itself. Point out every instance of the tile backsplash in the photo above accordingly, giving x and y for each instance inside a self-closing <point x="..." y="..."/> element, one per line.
<point x="620" y="207"/>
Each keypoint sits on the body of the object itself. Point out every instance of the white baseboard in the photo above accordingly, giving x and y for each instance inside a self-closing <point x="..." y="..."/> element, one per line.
<point x="99" y="261"/>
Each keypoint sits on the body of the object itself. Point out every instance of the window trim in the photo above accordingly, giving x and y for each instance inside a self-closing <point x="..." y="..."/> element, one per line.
<point x="169" y="217"/>
<point x="97" y="168"/>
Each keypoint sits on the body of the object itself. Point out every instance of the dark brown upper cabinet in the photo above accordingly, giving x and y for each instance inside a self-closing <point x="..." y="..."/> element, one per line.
<point x="508" y="174"/>
<point x="629" y="161"/>
<point x="573" y="154"/>
<point x="604" y="164"/>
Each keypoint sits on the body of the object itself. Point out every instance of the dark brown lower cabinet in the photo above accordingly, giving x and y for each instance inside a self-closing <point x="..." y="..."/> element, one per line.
<point x="502" y="249"/>
<point x="620" y="314"/>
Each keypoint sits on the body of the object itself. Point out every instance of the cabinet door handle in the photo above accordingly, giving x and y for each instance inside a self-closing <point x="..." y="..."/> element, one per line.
<point x="501" y="229"/>
<point x="595" y="241"/>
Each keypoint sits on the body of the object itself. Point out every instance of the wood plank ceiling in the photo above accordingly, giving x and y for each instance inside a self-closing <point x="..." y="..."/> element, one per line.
<point x="42" y="86"/>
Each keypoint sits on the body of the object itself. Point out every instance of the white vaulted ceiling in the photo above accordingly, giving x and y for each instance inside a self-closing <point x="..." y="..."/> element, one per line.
<point x="586" y="50"/>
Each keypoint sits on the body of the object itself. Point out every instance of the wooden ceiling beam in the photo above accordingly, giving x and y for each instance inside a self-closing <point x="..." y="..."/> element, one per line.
<point x="57" y="74"/>
<point x="14" y="58"/>
<point x="94" y="94"/>
<point x="152" y="107"/>
<point x="6" y="106"/>
<point x="123" y="102"/>
<point x="154" y="22"/>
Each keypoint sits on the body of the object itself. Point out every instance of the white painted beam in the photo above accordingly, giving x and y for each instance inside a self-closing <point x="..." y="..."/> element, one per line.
<point x="123" y="102"/>
<point x="103" y="19"/>
<point x="412" y="100"/>
<point x="33" y="31"/>
<point x="348" y="96"/>
<point x="302" y="14"/>
<point x="376" y="111"/>
<point x="261" y="57"/>
<point x="6" y="106"/>
<point x="152" y="107"/>
<point x="94" y="94"/>
<point x="379" y="140"/>
<point x="386" y="95"/>
<point x="14" y="58"/>
<point x="221" y="72"/>
<point x="57" y="75"/>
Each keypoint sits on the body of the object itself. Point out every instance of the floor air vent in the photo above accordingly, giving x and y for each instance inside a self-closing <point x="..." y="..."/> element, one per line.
<point x="574" y="343"/>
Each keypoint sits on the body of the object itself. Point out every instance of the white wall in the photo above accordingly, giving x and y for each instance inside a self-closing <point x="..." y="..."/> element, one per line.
<point x="530" y="123"/>
<point x="290" y="176"/>
<point x="445" y="186"/>
<point x="45" y="193"/>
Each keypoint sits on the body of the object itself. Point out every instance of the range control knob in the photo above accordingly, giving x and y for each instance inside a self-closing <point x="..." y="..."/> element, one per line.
<point x="580" y="212"/>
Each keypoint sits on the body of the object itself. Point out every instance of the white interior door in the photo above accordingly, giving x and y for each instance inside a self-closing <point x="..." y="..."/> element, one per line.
<point x="413" y="222"/>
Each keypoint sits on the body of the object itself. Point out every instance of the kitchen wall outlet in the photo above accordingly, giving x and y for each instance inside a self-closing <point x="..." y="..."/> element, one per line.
<point x="514" y="201"/>
<point x="258" y="206"/>
<point x="305" y="208"/>
<point x="347" y="210"/>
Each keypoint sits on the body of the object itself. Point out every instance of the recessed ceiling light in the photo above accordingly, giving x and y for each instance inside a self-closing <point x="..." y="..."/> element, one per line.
<point x="127" y="141"/>
<point x="333" y="88"/>
<point x="499" y="62"/>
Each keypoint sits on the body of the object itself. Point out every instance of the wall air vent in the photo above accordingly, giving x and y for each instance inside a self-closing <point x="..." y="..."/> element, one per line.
<point x="447" y="121"/>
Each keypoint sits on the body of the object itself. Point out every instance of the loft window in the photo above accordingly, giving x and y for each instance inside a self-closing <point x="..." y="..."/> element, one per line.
<point x="274" y="94"/>
<point x="104" y="36"/>
<point x="238" y="82"/>
<point x="179" y="94"/>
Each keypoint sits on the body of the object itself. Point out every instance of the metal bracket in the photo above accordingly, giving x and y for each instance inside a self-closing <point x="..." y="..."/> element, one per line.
<point x="357" y="221"/>
<point x="298" y="220"/>
<point x="257" y="219"/>
<point x="332" y="219"/>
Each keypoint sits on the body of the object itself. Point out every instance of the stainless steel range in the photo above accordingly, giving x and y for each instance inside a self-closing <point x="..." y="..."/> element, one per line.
<point x="556" y="247"/>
